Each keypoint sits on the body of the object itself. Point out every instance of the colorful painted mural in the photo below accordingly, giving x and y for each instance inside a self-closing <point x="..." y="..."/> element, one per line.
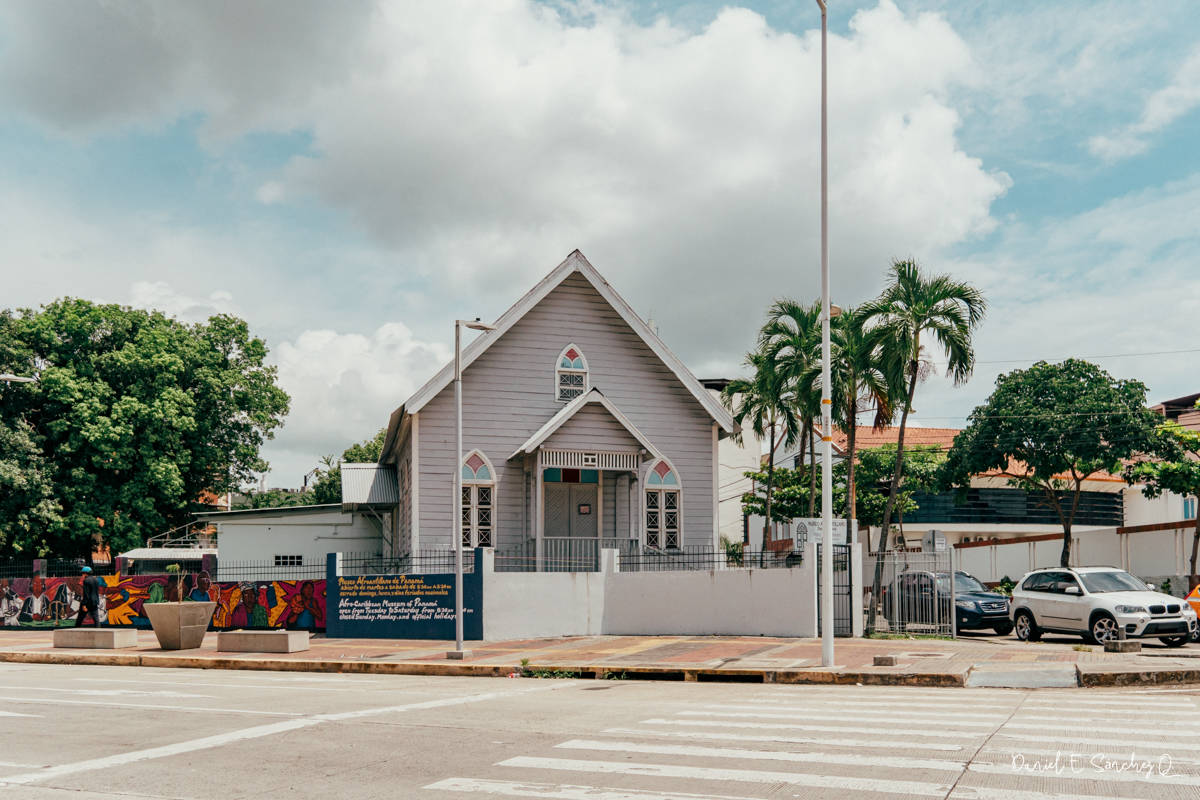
<point x="40" y="602"/>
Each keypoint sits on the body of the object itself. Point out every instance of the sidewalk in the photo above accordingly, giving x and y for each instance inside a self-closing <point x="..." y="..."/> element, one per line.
<point x="974" y="661"/>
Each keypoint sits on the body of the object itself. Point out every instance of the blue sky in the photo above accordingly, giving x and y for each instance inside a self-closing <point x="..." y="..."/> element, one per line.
<point x="351" y="177"/>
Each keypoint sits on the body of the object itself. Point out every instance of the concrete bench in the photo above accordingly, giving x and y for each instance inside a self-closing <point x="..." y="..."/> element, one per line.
<point x="262" y="641"/>
<point x="95" y="638"/>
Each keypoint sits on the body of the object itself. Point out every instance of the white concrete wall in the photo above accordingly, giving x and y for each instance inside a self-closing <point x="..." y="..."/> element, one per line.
<point x="764" y="602"/>
<point x="311" y="535"/>
<point x="1142" y="510"/>
<point x="526" y="605"/>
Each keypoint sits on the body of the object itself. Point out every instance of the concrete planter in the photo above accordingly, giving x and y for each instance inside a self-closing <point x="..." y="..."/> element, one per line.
<point x="179" y="626"/>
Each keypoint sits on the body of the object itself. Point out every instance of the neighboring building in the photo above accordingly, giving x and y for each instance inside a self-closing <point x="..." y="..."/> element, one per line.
<point x="1182" y="410"/>
<point x="735" y="459"/>
<point x="578" y="423"/>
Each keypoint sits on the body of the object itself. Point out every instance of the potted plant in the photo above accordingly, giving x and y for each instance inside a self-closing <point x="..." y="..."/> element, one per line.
<point x="179" y="623"/>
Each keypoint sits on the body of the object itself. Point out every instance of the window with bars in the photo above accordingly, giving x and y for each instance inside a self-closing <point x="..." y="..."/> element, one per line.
<point x="478" y="502"/>
<point x="570" y="374"/>
<point x="289" y="561"/>
<point x="662" y="507"/>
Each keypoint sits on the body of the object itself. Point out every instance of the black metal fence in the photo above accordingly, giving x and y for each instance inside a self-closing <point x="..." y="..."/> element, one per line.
<point x="267" y="570"/>
<point x="421" y="562"/>
<point x="52" y="568"/>
<point x="703" y="557"/>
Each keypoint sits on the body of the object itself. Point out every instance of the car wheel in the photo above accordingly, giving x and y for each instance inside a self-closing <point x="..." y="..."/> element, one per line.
<point x="1104" y="629"/>
<point x="1026" y="628"/>
<point x="1003" y="629"/>
<point x="1175" y="641"/>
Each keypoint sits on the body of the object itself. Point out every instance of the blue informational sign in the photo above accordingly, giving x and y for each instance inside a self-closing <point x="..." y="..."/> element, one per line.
<point x="400" y="606"/>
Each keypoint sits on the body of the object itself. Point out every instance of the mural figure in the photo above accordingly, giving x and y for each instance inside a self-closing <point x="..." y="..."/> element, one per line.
<point x="250" y="614"/>
<point x="302" y="609"/>
<point x="10" y="604"/>
<point x="36" y="607"/>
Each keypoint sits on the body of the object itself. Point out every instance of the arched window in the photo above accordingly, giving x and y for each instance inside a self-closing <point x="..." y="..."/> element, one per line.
<point x="478" y="501"/>
<point x="570" y="374"/>
<point x="664" y="507"/>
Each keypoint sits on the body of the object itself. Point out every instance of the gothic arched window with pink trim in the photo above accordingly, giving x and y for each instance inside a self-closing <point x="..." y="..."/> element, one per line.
<point x="570" y="374"/>
<point x="664" y="506"/>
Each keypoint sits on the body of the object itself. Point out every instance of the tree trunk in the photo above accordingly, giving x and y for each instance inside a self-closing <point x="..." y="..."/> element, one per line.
<point x="1192" y="578"/>
<point x="770" y="476"/>
<point x="1064" y="559"/>
<point x="893" y="490"/>
<point x="851" y="499"/>
<point x="812" y="471"/>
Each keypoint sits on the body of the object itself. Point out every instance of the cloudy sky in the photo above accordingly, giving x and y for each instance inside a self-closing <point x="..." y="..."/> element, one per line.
<point x="350" y="177"/>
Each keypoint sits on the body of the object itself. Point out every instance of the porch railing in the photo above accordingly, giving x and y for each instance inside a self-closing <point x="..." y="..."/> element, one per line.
<point x="560" y="554"/>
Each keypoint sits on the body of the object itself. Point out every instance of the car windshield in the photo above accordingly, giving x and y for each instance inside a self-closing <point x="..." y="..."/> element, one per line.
<point x="1114" y="581"/>
<point x="962" y="583"/>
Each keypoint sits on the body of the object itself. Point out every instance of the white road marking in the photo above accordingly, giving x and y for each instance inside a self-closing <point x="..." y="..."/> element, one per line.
<point x="106" y="692"/>
<point x="1103" y="701"/>
<point x="1117" y="716"/>
<point x="984" y="793"/>
<point x="62" y="701"/>
<point x="911" y="788"/>
<point x="957" y="721"/>
<point x="559" y="791"/>
<point x="762" y="755"/>
<point x="256" y="732"/>
<point x="242" y="685"/>
<point x="1086" y="726"/>
<point x="725" y="736"/>
<point x="1120" y="743"/>
<point x="833" y="705"/>
<point x="15" y="714"/>
<point x="875" y="730"/>
<point x="1086" y="773"/>
<point x="17" y="765"/>
<point x="119" y="759"/>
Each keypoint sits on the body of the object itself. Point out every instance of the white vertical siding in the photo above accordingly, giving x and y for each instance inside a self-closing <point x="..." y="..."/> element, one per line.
<point x="508" y="393"/>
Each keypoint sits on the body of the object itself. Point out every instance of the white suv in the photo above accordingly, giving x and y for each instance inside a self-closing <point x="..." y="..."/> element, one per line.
<point x="1097" y="603"/>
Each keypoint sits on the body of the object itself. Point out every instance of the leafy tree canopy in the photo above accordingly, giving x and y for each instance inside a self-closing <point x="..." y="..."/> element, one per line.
<point x="134" y="414"/>
<point x="1176" y="470"/>
<point x="1051" y="426"/>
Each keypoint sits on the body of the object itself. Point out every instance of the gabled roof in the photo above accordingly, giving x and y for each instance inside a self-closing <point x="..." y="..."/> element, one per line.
<point x="569" y="410"/>
<point x="575" y="262"/>
<point x="369" y="485"/>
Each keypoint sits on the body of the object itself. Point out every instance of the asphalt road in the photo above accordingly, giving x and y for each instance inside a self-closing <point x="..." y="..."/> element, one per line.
<point x="86" y="732"/>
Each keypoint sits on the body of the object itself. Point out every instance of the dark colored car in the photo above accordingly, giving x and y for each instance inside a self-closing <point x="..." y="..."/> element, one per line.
<point x="920" y="597"/>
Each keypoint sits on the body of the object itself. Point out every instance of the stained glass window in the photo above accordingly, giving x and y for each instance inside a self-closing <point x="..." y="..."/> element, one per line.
<point x="478" y="501"/>
<point x="663" y="509"/>
<point x="570" y="374"/>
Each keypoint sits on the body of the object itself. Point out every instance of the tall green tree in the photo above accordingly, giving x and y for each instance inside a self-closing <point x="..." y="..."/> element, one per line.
<point x="762" y="403"/>
<point x="914" y="312"/>
<point x="1050" y="428"/>
<point x="328" y="486"/>
<point x="791" y="338"/>
<point x="863" y="377"/>
<point x="133" y="416"/>
<point x="1176" y="469"/>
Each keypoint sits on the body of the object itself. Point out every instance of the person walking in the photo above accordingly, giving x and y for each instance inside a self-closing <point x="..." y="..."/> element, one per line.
<point x="89" y="600"/>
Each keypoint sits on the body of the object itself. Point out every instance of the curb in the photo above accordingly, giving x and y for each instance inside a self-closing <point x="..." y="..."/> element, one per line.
<point x="601" y="672"/>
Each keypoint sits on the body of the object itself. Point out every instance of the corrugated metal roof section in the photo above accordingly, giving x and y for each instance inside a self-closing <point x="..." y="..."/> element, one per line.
<point x="369" y="485"/>
<point x="169" y="553"/>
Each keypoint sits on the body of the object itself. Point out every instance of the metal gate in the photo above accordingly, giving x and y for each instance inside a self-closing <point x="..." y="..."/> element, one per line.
<point x="915" y="593"/>
<point x="843" y="588"/>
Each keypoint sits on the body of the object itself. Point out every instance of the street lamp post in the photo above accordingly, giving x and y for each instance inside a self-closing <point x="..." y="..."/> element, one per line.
<point x="7" y="378"/>
<point x="826" y="401"/>
<point x="456" y="505"/>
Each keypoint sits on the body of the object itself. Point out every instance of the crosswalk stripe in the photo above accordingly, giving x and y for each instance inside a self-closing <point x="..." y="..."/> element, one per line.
<point x="912" y="788"/>
<point x="1099" y="741"/>
<point x="822" y="705"/>
<point x="560" y="791"/>
<point x="986" y="793"/>
<point x="1051" y="754"/>
<point x="876" y="731"/>
<point x="822" y="740"/>
<point x="1178" y="725"/>
<point x="1085" y="726"/>
<point x="1105" y="702"/>
<point x="1088" y="774"/>
<point x="956" y="722"/>
<point x="761" y="755"/>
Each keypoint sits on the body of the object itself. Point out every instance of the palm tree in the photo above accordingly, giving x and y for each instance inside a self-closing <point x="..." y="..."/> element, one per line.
<point x="762" y="402"/>
<point x="914" y="307"/>
<point x="792" y="338"/>
<point x="863" y="378"/>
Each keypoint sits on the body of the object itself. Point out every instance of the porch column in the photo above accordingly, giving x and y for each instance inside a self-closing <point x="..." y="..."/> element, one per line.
<point x="539" y="510"/>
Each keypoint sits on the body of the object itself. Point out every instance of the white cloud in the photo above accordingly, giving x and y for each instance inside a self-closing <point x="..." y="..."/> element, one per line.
<point x="159" y="296"/>
<point x="1163" y="107"/>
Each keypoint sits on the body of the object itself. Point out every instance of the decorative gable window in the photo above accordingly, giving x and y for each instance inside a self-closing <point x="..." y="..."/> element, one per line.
<point x="570" y="374"/>
<point x="478" y="501"/>
<point x="663" y="506"/>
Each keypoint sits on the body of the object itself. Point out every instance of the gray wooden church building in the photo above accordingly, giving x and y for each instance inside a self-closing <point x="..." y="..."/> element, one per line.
<point x="579" y="423"/>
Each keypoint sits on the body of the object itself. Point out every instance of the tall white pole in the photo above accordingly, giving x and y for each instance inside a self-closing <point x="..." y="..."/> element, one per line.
<point x="826" y="401"/>
<point x="457" y="504"/>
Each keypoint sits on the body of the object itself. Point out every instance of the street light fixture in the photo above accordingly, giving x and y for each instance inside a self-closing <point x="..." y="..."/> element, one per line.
<point x="7" y="378"/>
<point x="456" y="505"/>
<point x="826" y="402"/>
